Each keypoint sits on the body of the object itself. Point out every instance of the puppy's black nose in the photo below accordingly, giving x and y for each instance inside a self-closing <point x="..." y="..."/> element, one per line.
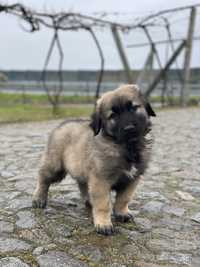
<point x="129" y="128"/>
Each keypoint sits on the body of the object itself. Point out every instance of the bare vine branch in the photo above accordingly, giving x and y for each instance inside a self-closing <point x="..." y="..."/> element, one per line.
<point x="70" y="21"/>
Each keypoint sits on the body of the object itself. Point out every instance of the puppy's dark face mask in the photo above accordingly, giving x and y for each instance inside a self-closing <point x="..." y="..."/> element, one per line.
<point x="124" y="121"/>
<point x="127" y="122"/>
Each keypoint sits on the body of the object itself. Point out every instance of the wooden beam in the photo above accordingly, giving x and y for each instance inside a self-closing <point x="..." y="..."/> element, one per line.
<point x="122" y="54"/>
<point x="185" y="90"/>
<point x="161" y="42"/>
<point x="146" y="73"/>
<point x="162" y="72"/>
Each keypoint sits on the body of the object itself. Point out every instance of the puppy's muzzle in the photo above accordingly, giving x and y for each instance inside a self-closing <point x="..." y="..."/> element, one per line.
<point x="129" y="128"/>
<point x="130" y="132"/>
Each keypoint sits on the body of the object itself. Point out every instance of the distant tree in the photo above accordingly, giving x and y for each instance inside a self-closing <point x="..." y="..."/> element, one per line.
<point x="3" y="77"/>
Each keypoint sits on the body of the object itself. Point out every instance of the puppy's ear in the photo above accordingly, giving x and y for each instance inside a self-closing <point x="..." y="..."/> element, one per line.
<point x="147" y="105"/>
<point x="149" y="110"/>
<point x="96" y="122"/>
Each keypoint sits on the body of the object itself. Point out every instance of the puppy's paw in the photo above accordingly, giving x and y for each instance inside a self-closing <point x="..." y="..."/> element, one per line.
<point x="104" y="229"/>
<point x="124" y="217"/>
<point x="39" y="203"/>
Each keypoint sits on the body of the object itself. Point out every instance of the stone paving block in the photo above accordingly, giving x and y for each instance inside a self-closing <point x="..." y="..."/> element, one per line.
<point x="6" y="227"/>
<point x="12" y="262"/>
<point x="26" y="219"/>
<point x="13" y="245"/>
<point x="59" y="259"/>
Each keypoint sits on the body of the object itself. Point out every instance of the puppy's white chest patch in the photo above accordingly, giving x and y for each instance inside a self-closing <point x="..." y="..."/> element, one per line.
<point x="132" y="172"/>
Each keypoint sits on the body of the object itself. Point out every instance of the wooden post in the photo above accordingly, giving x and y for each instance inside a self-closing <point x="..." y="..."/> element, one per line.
<point x="153" y="46"/>
<point x="163" y="71"/>
<point x="146" y="73"/>
<point x="122" y="54"/>
<point x="188" y="53"/>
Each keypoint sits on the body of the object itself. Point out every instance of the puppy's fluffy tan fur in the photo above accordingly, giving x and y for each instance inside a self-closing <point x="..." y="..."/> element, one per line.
<point x="107" y="153"/>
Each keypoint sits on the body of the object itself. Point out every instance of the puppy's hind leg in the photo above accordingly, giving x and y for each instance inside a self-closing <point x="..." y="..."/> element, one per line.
<point x="48" y="174"/>
<point x="83" y="187"/>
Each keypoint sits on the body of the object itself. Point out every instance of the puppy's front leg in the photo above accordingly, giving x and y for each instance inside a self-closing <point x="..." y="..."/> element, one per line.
<point x="123" y="197"/>
<point x="99" y="193"/>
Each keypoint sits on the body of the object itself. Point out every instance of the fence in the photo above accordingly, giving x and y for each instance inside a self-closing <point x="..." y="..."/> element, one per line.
<point x="165" y="21"/>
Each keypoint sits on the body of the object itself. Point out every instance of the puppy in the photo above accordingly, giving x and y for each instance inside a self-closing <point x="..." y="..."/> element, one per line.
<point x="108" y="153"/>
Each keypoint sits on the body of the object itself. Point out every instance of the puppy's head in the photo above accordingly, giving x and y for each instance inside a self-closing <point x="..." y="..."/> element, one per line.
<point x="122" y="114"/>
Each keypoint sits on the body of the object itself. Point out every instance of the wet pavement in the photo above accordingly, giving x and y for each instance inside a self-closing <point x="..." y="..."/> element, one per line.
<point x="166" y="206"/>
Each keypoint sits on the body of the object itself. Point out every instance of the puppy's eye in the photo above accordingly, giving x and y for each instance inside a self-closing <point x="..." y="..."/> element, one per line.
<point x="134" y="107"/>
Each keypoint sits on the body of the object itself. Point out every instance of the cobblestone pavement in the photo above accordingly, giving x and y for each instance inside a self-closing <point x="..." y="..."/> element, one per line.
<point x="166" y="207"/>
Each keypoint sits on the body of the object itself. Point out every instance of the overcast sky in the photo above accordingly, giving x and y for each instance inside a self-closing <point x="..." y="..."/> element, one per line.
<point x="21" y="50"/>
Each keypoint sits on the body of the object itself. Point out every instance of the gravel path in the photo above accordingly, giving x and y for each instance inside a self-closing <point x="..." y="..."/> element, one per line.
<point x="166" y="206"/>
